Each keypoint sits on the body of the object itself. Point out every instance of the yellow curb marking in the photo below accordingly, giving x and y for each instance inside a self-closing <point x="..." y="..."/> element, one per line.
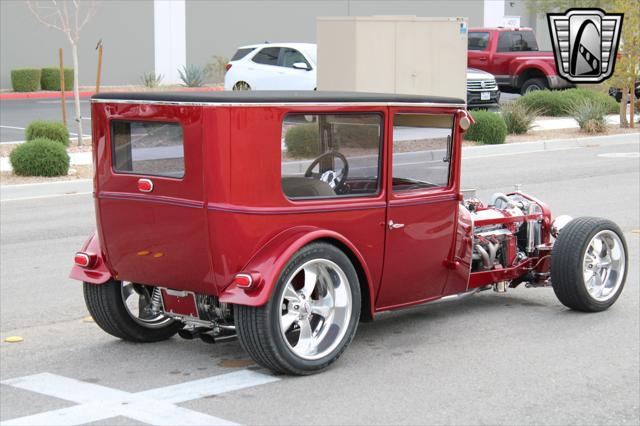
<point x="13" y="339"/>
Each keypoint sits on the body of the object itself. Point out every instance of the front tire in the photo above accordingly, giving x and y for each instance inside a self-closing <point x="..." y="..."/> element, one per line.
<point x="311" y="316"/>
<point x="121" y="309"/>
<point x="589" y="264"/>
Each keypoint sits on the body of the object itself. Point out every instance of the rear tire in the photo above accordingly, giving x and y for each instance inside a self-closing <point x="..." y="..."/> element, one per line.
<point x="106" y="305"/>
<point x="533" y="85"/>
<point x="589" y="264"/>
<point x="311" y="316"/>
<point x="241" y="86"/>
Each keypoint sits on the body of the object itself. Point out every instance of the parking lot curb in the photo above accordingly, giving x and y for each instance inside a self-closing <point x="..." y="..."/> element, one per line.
<point x="547" y="145"/>
<point x="85" y="186"/>
<point x="84" y="94"/>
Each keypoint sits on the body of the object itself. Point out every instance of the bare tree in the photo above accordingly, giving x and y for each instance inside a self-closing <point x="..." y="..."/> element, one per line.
<point x="68" y="16"/>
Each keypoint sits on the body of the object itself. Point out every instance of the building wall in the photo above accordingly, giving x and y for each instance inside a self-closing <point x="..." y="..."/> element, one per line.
<point x="212" y="28"/>
<point x="219" y="27"/>
<point x="125" y="27"/>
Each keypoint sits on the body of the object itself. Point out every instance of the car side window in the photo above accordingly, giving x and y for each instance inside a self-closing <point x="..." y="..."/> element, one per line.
<point x="504" y="42"/>
<point x="292" y="56"/>
<point x="422" y="145"/>
<point x="523" y="42"/>
<point x="267" y="56"/>
<point x="478" y="41"/>
<point x="331" y="155"/>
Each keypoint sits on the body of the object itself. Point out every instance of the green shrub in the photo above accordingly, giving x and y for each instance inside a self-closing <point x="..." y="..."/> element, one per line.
<point x="151" y="79"/>
<point x="40" y="157"/>
<point x="48" y="130"/>
<point x="357" y="136"/>
<point x="489" y="128"/>
<point x="518" y="117"/>
<point x="50" y="79"/>
<point x="25" y="79"/>
<point x="559" y="102"/>
<point x="303" y="140"/>
<point x="192" y="75"/>
<point x="590" y="115"/>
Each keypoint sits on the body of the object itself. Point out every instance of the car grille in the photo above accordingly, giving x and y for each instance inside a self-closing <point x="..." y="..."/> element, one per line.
<point x="479" y="85"/>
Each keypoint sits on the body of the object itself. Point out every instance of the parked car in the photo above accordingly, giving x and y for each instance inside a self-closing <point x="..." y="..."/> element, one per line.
<point x="512" y="56"/>
<point x="482" y="89"/>
<point x="616" y="93"/>
<point x="272" y="66"/>
<point x="288" y="217"/>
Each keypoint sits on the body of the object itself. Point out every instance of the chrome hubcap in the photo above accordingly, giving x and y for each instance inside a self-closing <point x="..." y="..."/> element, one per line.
<point x="604" y="265"/>
<point x="139" y="302"/>
<point x="315" y="309"/>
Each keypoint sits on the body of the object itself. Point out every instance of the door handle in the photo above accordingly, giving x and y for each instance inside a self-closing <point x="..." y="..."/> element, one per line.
<point x="483" y="59"/>
<point x="393" y="226"/>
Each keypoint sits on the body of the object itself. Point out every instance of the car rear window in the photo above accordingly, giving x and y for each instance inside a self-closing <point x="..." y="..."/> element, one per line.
<point x="517" y="41"/>
<point x="240" y="53"/>
<point x="148" y="148"/>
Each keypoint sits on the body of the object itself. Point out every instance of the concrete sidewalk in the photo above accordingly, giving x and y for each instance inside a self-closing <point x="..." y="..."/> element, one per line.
<point x="78" y="187"/>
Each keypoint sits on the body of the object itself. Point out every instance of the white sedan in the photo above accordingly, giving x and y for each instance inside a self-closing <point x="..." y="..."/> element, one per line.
<point x="272" y="66"/>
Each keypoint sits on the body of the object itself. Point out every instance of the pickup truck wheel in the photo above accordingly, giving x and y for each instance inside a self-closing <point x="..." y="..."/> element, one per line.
<point x="311" y="316"/>
<point x="533" y="85"/>
<point x="589" y="264"/>
<point x="123" y="309"/>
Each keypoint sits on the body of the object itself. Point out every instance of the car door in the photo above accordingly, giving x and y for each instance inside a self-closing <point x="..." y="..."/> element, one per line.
<point x="478" y="50"/>
<point x="291" y="78"/>
<point x="264" y="72"/>
<point x="421" y="209"/>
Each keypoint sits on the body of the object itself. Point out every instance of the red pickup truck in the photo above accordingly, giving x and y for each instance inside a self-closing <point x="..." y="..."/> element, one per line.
<point x="512" y="56"/>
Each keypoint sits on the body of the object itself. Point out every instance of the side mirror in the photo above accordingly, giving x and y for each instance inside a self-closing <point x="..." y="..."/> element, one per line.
<point x="301" y="66"/>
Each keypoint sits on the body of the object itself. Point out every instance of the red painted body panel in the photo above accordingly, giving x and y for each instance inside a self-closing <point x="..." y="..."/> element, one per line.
<point x="98" y="273"/>
<point x="228" y="214"/>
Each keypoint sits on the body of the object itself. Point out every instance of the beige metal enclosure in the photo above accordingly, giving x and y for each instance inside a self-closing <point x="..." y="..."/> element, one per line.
<point x="393" y="54"/>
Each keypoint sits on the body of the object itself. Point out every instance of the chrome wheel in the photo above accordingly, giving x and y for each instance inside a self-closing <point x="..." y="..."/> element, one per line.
<point x="604" y="265"/>
<point x="315" y="309"/>
<point x="242" y="85"/>
<point x="143" y="304"/>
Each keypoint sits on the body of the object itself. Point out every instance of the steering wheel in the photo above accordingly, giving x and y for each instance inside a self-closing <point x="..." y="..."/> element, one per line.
<point x="333" y="179"/>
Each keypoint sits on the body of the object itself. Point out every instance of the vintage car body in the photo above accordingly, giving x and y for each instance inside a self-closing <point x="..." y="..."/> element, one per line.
<point x="207" y="240"/>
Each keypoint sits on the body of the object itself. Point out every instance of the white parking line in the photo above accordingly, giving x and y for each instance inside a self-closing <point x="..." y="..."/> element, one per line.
<point x="155" y="406"/>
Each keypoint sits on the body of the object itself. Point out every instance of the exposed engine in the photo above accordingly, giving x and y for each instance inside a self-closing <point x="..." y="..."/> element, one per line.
<point x="506" y="231"/>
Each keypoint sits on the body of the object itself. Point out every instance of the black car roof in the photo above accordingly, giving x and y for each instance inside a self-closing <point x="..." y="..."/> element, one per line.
<point x="269" y="96"/>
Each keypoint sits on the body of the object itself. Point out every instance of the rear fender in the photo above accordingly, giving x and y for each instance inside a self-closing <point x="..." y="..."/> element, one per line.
<point x="98" y="272"/>
<point x="272" y="258"/>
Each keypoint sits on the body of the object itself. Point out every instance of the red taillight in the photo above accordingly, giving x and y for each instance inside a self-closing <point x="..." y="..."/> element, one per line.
<point x="243" y="280"/>
<point x="228" y="67"/>
<point x="83" y="259"/>
<point x="250" y="281"/>
<point x="145" y="185"/>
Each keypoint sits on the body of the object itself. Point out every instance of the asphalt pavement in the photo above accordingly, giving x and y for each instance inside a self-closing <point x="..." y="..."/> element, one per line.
<point x="514" y="358"/>
<point x="16" y="114"/>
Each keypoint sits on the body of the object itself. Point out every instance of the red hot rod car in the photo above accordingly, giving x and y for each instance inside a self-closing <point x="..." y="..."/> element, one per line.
<point x="287" y="217"/>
